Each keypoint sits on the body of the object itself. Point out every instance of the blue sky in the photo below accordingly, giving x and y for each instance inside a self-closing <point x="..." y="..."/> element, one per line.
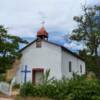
<point x="24" y="17"/>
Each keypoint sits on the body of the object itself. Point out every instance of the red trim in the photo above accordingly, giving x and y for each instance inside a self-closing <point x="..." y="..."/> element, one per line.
<point x="34" y="70"/>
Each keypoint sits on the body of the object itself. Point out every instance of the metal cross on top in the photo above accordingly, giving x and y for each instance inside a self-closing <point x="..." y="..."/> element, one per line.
<point x="43" y="22"/>
<point x="25" y="71"/>
<point x="42" y="17"/>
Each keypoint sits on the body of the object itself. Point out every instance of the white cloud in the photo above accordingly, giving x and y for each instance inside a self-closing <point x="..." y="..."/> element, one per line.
<point x="58" y="13"/>
<point x="23" y="17"/>
<point x="74" y="46"/>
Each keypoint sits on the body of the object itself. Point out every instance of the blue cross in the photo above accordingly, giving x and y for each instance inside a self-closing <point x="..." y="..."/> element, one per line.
<point x="25" y="71"/>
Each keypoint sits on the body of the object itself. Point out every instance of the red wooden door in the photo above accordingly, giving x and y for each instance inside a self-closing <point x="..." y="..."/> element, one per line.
<point x="37" y="75"/>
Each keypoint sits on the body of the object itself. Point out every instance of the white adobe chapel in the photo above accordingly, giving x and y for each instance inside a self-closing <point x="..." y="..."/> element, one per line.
<point x="41" y="55"/>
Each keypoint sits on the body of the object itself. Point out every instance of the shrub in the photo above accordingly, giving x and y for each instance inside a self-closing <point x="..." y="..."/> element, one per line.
<point x="2" y="77"/>
<point x="84" y="89"/>
<point x="56" y="90"/>
<point x="16" y="86"/>
<point x="46" y="78"/>
<point x="96" y="98"/>
<point x="27" y="89"/>
<point x="61" y="90"/>
<point x="78" y="88"/>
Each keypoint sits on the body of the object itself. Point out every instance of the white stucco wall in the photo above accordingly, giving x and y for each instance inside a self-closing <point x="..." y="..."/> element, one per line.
<point x="99" y="50"/>
<point x="76" y="62"/>
<point x="47" y="57"/>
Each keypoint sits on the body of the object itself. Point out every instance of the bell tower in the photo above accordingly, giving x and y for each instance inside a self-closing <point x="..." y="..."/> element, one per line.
<point x="42" y="34"/>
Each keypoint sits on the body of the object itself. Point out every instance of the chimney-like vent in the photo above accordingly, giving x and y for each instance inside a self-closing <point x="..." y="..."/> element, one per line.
<point x="39" y="43"/>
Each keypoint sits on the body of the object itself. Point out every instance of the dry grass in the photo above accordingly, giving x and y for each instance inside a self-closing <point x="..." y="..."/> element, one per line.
<point x="31" y="98"/>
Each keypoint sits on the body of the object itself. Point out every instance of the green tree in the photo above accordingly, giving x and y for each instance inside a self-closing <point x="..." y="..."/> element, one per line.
<point x="88" y="30"/>
<point x="9" y="46"/>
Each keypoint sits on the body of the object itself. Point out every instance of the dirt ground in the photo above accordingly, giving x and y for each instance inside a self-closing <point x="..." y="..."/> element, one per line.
<point x="1" y="98"/>
<point x="16" y="97"/>
<point x="4" y="97"/>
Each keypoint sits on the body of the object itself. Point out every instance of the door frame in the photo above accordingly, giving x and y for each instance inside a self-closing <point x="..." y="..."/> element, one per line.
<point x="34" y="70"/>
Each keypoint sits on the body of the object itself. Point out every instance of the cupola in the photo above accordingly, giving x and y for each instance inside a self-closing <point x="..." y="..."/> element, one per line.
<point x="42" y="33"/>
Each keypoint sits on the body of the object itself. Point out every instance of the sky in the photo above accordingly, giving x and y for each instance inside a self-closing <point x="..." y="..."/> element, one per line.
<point x="25" y="17"/>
